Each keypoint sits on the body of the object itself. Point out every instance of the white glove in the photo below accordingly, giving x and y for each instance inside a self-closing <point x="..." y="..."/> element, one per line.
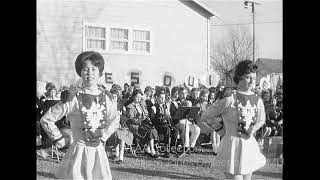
<point x="38" y="140"/>
<point x="61" y="143"/>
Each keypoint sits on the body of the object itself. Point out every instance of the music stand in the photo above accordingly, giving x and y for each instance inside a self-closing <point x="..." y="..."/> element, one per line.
<point x="186" y="112"/>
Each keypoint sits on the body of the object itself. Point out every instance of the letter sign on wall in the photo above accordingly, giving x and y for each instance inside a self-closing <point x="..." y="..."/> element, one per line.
<point x="108" y="78"/>
<point x="190" y="81"/>
<point x="167" y="80"/>
<point x="134" y="78"/>
<point x="210" y="80"/>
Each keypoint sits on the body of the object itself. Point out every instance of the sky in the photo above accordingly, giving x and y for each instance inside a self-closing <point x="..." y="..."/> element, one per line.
<point x="268" y="23"/>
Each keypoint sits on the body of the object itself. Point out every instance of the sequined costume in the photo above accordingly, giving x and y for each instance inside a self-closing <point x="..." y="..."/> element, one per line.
<point x="237" y="155"/>
<point x="93" y="117"/>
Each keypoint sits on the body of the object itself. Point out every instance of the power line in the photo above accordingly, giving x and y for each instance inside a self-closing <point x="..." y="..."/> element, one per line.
<point x="248" y="23"/>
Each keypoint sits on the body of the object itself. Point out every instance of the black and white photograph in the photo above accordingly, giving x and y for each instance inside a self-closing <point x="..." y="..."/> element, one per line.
<point x="159" y="89"/>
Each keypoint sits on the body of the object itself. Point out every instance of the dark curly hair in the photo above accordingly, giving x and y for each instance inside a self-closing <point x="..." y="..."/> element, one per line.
<point x="160" y="90"/>
<point x="95" y="58"/>
<point x="147" y="89"/>
<point x="135" y="92"/>
<point x="174" y="89"/>
<point x="244" y="67"/>
<point x="182" y="89"/>
<point x="115" y="89"/>
<point x="204" y="91"/>
<point x="50" y="86"/>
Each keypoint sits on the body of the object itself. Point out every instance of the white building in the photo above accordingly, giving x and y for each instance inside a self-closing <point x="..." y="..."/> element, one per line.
<point x="139" y="39"/>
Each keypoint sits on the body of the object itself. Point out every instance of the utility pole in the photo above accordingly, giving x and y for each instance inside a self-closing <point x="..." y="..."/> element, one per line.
<point x="253" y="24"/>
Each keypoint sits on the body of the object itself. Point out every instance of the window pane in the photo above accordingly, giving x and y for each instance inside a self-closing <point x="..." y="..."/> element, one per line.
<point x="120" y="34"/>
<point x="102" y="33"/>
<point x="141" y="46"/>
<point x="95" y="32"/>
<point x="96" y="44"/>
<point x="148" y="47"/>
<point x="95" y="37"/>
<point x="119" y="45"/>
<point x="141" y="35"/>
<point x="102" y="44"/>
<point x="148" y="35"/>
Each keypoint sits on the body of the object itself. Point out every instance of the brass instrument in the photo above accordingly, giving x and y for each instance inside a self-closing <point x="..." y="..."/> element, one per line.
<point x="165" y="115"/>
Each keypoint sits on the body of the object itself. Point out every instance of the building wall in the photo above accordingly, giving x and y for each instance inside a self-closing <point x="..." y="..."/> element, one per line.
<point x="179" y="44"/>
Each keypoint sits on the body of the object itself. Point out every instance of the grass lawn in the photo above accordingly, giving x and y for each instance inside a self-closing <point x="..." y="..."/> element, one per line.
<point x="194" y="166"/>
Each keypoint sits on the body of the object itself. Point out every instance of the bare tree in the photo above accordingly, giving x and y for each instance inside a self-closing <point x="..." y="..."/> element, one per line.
<point x="237" y="46"/>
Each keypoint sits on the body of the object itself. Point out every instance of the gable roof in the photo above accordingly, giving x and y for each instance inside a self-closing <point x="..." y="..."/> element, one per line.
<point x="268" y="66"/>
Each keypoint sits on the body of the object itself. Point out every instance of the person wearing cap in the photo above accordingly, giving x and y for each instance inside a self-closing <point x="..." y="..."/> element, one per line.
<point x="93" y="119"/>
<point x="161" y="119"/>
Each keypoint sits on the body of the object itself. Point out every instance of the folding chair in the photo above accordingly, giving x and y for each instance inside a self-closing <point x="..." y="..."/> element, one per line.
<point x="55" y="148"/>
<point x="275" y="144"/>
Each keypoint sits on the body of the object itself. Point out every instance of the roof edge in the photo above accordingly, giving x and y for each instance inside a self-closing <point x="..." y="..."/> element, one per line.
<point x="206" y="8"/>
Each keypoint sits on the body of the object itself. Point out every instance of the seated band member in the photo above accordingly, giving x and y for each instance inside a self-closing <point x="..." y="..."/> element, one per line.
<point x="126" y="92"/>
<point x="205" y="128"/>
<point x="161" y="119"/>
<point x="194" y="97"/>
<point x="186" y="126"/>
<point x="122" y="135"/>
<point x="149" y="93"/>
<point x="138" y="117"/>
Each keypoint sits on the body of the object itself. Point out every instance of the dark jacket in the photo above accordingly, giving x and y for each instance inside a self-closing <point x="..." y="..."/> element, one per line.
<point x="157" y="117"/>
<point x="134" y="116"/>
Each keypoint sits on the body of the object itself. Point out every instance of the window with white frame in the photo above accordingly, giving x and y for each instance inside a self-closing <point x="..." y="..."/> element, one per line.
<point x="141" y="40"/>
<point x="117" y="39"/>
<point x="95" y="38"/>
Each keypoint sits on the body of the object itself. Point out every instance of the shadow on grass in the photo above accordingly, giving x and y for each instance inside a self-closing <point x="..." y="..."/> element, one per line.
<point x="156" y="173"/>
<point x="178" y="161"/>
<point x="47" y="175"/>
<point x="207" y="153"/>
<point x="268" y="174"/>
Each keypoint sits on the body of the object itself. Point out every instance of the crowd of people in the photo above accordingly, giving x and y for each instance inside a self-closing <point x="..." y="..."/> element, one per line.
<point x="274" y="114"/>
<point x="142" y="117"/>
<point x="43" y="103"/>
<point x="153" y="109"/>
